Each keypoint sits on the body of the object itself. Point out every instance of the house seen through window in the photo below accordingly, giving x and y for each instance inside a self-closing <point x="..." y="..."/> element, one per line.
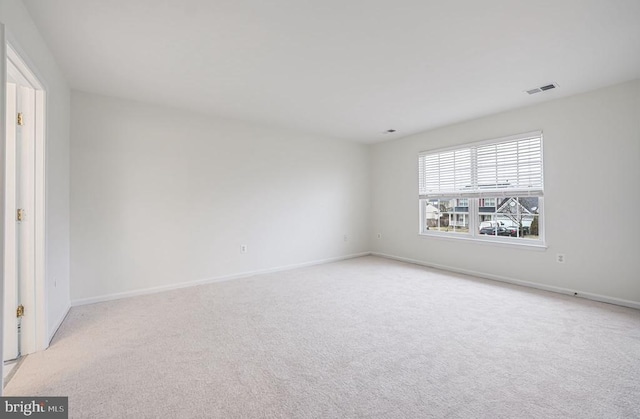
<point x="491" y="190"/>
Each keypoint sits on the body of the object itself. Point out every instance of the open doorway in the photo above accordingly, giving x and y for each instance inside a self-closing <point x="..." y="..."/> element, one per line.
<point x="24" y="313"/>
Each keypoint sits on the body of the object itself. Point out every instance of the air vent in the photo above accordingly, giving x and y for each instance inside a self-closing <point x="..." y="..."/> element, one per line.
<point x="542" y="88"/>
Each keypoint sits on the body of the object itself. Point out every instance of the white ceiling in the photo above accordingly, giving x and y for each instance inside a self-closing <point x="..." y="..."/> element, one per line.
<point x="350" y="68"/>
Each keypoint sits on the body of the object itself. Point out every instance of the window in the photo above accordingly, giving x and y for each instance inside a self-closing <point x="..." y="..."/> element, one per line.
<point x="491" y="190"/>
<point x="487" y="202"/>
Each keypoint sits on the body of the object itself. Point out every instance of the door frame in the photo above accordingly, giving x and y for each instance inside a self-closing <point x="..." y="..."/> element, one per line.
<point x="33" y="291"/>
<point x="3" y="101"/>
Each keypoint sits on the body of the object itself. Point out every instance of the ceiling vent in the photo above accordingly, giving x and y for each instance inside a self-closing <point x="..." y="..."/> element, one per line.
<point x="542" y="88"/>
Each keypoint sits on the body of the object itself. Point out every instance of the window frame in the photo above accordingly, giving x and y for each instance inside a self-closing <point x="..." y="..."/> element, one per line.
<point x="474" y="200"/>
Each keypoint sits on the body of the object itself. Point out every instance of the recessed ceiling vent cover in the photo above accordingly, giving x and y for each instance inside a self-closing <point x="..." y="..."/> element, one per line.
<point x="542" y="88"/>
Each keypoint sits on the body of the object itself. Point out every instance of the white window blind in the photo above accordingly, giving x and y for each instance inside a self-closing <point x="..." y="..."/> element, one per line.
<point x="508" y="167"/>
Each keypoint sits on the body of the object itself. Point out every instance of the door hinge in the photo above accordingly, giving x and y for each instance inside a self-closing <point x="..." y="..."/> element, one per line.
<point x="20" y="311"/>
<point x="20" y="120"/>
<point x="19" y="214"/>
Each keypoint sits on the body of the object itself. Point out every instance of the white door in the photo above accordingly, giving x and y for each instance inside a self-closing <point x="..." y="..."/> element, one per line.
<point x="22" y="174"/>
<point x="10" y="344"/>
<point x="19" y="204"/>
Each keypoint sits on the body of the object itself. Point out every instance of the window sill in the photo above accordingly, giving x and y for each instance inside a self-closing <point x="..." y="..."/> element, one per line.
<point x="491" y="242"/>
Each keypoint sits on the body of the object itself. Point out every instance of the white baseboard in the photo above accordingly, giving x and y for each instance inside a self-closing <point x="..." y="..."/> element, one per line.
<point x="560" y="290"/>
<point x="54" y="330"/>
<point x="153" y="290"/>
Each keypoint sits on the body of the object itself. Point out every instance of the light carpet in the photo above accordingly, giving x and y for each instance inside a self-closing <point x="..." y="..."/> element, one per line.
<point x="362" y="338"/>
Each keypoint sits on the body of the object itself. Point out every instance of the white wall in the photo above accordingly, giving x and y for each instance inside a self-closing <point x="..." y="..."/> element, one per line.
<point x="24" y="37"/>
<point x="592" y="177"/>
<point x="162" y="197"/>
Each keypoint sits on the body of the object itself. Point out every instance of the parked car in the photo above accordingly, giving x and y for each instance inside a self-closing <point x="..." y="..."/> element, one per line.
<point x="489" y="224"/>
<point x="500" y="231"/>
<point x="512" y="231"/>
<point x="494" y="231"/>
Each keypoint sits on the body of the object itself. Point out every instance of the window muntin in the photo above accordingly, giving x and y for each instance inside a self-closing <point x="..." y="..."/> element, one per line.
<point x="496" y="184"/>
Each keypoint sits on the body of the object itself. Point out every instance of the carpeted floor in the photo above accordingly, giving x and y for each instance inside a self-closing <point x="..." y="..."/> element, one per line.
<point x="363" y="338"/>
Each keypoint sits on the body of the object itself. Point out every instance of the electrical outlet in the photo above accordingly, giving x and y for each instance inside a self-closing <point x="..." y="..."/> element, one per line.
<point x="243" y="248"/>
<point x="560" y="258"/>
<point x="379" y="235"/>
